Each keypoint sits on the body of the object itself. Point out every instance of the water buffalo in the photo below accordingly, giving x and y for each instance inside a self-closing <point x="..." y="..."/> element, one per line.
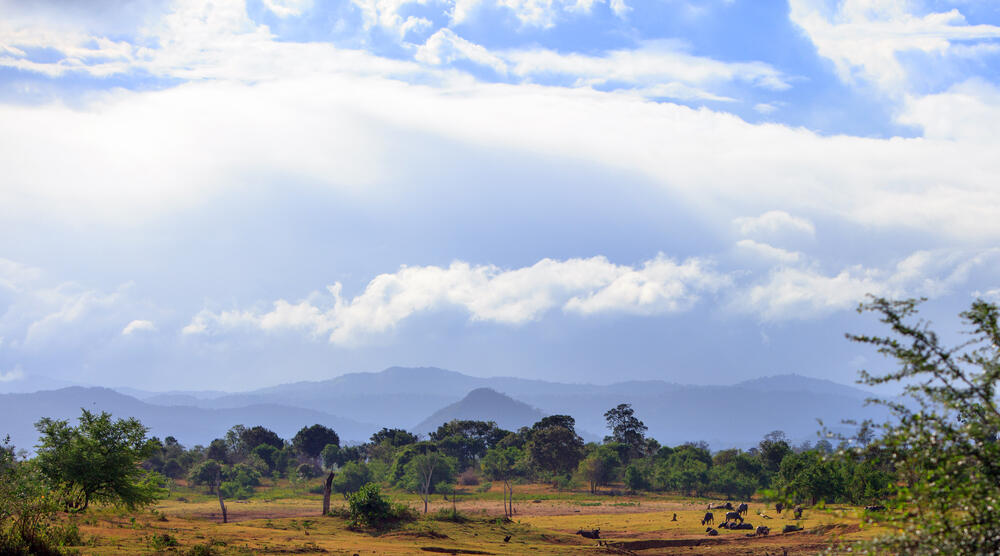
<point x="709" y="518"/>
<point x="734" y="516"/>
<point x="726" y="506"/>
<point x="738" y="526"/>
<point x="876" y="508"/>
<point x="798" y="512"/>
<point x="711" y="532"/>
<point x="779" y="506"/>
<point x="790" y="528"/>
<point x="763" y="530"/>
<point x="592" y="534"/>
<point x="742" y="508"/>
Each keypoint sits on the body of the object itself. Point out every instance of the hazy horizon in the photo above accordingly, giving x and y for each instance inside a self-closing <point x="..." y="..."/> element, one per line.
<point x="231" y="195"/>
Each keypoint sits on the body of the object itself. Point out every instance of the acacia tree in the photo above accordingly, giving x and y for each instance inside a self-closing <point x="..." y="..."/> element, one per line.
<point x="944" y="443"/>
<point x="97" y="460"/>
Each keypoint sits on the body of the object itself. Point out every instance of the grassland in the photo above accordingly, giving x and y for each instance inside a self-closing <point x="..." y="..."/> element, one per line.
<point x="282" y="519"/>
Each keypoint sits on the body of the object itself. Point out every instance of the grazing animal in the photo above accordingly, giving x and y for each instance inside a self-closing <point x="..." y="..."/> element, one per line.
<point x="592" y="534"/>
<point x="763" y="530"/>
<point x="742" y="508"/>
<point x="506" y="539"/>
<point x="711" y="532"/>
<point x="877" y="508"/>
<point x="779" y="506"/>
<point x="798" y="512"/>
<point x="709" y="518"/>
<point x="734" y="516"/>
<point x="789" y="528"/>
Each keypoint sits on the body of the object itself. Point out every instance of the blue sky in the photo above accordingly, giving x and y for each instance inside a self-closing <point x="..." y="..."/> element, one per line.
<point x="232" y="195"/>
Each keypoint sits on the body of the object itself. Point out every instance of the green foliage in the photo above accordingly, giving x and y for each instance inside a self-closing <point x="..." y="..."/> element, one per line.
<point x="393" y="437"/>
<point x="369" y="509"/>
<point x="162" y="541"/>
<point x="599" y="467"/>
<point x="308" y="471"/>
<point x="253" y="437"/>
<point x="555" y="448"/>
<point x="239" y="481"/>
<point x="945" y="442"/>
<point x="268" y="454"/>
<point x="350" y="478"/>
<point x="331" y="456"/>
<point x="425" y="472"/>
<point x="467" y="441"/>
<point x="97" y="460"/>
<point x="310" y="441"/>
<point x="626" y="429"/>
<point x="207" y="473"/>
<point x="635" y="478"/>
<point x="27" y="508"/>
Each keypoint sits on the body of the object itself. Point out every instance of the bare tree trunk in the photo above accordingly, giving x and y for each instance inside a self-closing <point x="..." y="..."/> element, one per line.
<point x="327" y="488"/>
<point x="218" y="489"/>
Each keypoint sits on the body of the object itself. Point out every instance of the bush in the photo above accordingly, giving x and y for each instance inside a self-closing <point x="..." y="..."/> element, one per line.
<point x="162" y="541"/>
<point x="28" y="510"/>
<point x="368" y="508"/>
<point x="450" y="514"/>
<point x="308" y="471"/>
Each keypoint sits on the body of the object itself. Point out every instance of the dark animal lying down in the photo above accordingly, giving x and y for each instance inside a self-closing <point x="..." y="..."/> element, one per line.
<point x="592" y="534"/>
<point x="762" y="531"/>
<point x="733" y="526"/>
<point x="726" y="506"/>
<point x="876" y="508"/>
<point x="789" y="528"/>
<point x="711" y="532"/>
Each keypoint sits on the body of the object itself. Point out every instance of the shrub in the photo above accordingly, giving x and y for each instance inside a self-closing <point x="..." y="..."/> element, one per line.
<point x="450" y="514"/>
<point x="368" y="508"/>
<point x="162" y="541"/>
<point x="308" y="471"/>
<point x="469" y="477"/>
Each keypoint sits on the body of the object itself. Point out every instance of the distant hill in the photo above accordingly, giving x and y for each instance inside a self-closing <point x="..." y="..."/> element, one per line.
<point x="725" y="415"/>
<point x="483" y="404"/>
<point x="190" y="425"/>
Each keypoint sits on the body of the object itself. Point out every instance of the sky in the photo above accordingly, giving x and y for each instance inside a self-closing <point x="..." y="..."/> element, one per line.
<point x="229" y="195"/>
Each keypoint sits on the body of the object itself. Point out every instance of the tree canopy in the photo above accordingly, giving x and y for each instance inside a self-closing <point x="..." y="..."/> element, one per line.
<point x="97" y="460"/>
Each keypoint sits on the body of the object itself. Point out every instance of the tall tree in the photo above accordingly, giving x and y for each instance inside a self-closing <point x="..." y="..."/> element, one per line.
<point x="626" y="429"/>
<point x="310" y="441"/>
<point x="97" y="460"/>
<point x="501" y="464"/>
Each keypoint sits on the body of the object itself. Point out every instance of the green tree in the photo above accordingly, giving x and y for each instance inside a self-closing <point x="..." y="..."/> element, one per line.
<point x="467" y="440"/>
<point x="945" y="441"/>
<point x="599" y="467"/>
<point x="207" y="473"/>
<point x="501" y="464"/>
<point x="310" y="441"/>
<point x="331" y="456"/>
<point x="555" y="448"/>
<point x="351" y="477"/>
<point x="97" y="460"/>
<point x="425" y="471"/>
<point x="256" y="436"/>
<point x="626" y="429"/>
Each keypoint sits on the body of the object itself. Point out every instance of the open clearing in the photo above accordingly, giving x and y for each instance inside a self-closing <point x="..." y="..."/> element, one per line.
<point x="286" y="521"/>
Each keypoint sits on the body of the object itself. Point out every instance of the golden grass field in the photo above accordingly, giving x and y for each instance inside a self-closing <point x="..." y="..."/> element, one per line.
<point x="285" y="520"/>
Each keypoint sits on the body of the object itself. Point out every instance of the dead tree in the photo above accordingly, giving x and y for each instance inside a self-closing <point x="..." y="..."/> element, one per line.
<point x="327" y="488"/>
<point x="218" y="489"/>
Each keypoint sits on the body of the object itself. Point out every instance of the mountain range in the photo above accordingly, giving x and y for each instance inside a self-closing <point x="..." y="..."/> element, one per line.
<point x="419" y="399"/>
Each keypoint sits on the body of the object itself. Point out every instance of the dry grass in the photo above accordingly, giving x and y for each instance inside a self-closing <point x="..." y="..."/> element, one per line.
<point x="545" y="524"/>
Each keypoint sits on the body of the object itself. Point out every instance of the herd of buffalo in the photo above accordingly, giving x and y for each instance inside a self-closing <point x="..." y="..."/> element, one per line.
<point x="734" y="519"/>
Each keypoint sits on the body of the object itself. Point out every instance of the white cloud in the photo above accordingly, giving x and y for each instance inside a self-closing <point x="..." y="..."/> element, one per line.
<point x="486" y="293"/>
<point x="288" y="8"/>
<point x="654" y="63"/>
<point x="864" y="38"/>
<point x="768" y="253"/>
<point x="445" y="47"/>
<point x="138" y="326"/>
<point x="806" y="292"/>
<point x="10" y="376"/>
<point x="774" y="222"/>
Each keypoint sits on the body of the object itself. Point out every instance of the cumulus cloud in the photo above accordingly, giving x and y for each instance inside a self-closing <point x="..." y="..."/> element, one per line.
<point x="864" y="38"/>
<point x="774" y="222"/>
<point x="769" y="253"/>
<point x="806" y="292"/>
<point x="445" y="47"/>
<point x="486" y="293"/>
<point x="138" y="326"/>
